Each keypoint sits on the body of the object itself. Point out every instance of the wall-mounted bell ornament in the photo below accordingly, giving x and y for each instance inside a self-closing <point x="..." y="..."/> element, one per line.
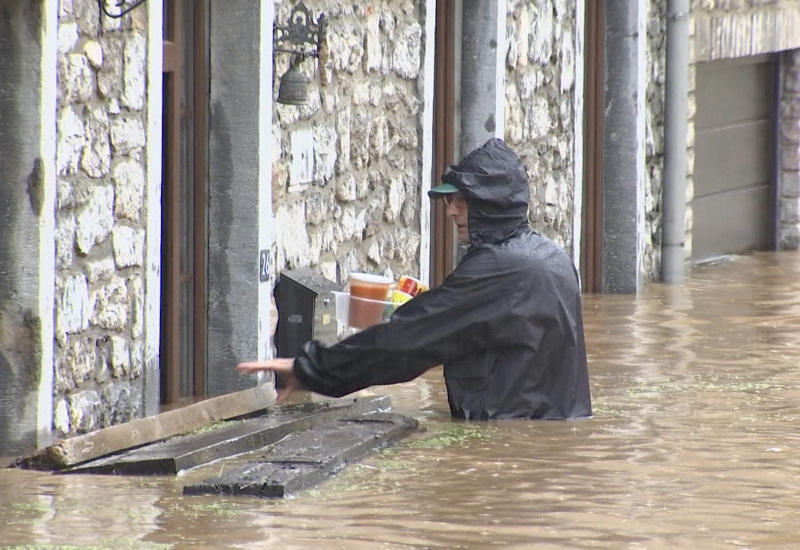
<point x="293" y="89"/>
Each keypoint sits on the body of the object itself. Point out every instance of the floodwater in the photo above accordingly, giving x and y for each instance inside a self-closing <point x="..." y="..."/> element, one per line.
<point x="695" y="443"/>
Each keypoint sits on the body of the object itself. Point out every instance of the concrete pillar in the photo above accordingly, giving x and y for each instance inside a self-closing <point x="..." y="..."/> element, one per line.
<point x="240" y="200"/>
<point x="482" y="82"/>
<point x="27" y="205"/>
<point x="623" y="146"/>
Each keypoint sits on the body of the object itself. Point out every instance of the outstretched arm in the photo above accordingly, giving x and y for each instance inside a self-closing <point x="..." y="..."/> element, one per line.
<point x="282" y="367"/>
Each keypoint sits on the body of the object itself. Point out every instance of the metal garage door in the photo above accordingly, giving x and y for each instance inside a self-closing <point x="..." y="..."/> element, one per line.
<point x="734" y="157"/>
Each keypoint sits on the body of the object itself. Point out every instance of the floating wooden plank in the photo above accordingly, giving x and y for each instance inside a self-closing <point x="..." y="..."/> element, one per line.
<point x="224" y="440"/>
<point x="306" y="458"/>
<point x="75" y="450"/>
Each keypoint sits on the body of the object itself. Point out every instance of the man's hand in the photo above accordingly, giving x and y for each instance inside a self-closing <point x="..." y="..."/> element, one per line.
<point x="282" y="367"/>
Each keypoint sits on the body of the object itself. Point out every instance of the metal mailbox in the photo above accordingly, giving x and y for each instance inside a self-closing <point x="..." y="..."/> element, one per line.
<point x="306" y="310"/>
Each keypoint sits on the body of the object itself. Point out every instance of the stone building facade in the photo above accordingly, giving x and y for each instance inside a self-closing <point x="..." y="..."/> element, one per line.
<point x="100" y="214"/>
<point x="348" y="170"/>
<point x="725" y="30"/>
<point x="338" y="185"/>
<point x="540" y="105"/>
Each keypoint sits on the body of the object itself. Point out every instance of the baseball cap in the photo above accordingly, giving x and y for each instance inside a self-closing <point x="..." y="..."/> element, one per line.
<point x="443" y="189"/>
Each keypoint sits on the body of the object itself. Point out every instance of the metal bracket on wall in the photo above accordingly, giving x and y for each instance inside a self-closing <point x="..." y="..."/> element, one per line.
<point x="121" y="7"/>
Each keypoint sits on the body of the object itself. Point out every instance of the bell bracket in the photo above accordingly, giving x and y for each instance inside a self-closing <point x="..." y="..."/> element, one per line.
<point x="301" y="36"/>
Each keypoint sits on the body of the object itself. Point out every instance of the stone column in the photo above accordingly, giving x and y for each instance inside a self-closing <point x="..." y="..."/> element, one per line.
<point x="27" y="203"/>
<point x="483" y="29"/>
<point x="789" y="162"/>
<point x="623" y="146"/>
<point x="240" y="201"/>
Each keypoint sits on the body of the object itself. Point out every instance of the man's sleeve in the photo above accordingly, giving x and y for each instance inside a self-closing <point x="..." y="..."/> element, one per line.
<point x="468" y="312"/>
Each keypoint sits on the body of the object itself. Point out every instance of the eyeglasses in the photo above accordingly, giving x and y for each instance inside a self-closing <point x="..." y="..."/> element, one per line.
<point x="453" y="198"/>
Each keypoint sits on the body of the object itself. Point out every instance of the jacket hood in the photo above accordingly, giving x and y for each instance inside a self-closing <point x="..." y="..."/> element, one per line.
<point x="493" y="182"/>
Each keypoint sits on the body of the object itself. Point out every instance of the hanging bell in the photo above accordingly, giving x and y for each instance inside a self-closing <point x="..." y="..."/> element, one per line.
<point x="293" y="89"/>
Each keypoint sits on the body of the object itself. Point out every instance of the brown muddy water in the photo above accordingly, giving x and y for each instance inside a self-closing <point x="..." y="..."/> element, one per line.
<point x="694" y="444"/>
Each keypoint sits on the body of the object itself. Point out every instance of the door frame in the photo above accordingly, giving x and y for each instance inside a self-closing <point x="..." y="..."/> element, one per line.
<point x="591" y="264"/>
<point x="181" y="55"/>
<point x="442" y="235"/>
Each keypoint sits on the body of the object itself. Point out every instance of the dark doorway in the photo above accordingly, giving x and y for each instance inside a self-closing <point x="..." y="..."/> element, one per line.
<point x="184" y="206"/>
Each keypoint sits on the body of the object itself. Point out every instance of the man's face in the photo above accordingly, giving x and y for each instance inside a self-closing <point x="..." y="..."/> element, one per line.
<point x="456" y="208"/>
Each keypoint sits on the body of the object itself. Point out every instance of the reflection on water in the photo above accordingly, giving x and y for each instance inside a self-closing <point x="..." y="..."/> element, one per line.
<point x="695" y="444"/>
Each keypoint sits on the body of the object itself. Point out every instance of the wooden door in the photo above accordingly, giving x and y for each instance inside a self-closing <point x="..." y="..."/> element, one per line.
<point x="184" y="191"/>
<point x="443" y="247"/>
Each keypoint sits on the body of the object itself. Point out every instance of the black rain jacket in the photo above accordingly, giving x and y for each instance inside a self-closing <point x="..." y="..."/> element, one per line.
<point x="506" y="323"/>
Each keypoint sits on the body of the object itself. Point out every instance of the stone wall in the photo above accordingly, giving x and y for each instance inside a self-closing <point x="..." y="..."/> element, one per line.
<point x="540" y="117"/>
<point x="100" y="235"/>
<point x="789" y="221"/>
<point x="347" y="167"/>
<point x="726" y="29"/>
<point x="654" y="137"/>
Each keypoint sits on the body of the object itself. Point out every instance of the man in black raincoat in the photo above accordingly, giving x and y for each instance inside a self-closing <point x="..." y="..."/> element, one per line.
<point x="506" y="323"/>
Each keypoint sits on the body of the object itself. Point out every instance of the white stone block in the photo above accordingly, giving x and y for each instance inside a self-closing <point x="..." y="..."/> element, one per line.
<point x="61" y="417"/>
<point x="324" y="153"/>
<point x="73" y="306"/>
<point x="127" y="134"/>
<point x="67" y="36"/>
<point x="301" y="157"/>
<point x="136" y="289"/>
<point x="119" y="357"/>
<point x="134" y="72"/>
<point x="95" y="219"/>
<point x="129" y="179"/>
<point x="406" y="55"/>
<point x="71" y="137"/>
<point x="541" y="44"/>
<point x="128" y="245"/>
<point x="99" y="270"/>
<point x="137" y="359"/>
<point x="343" y="140"/>
<point x="78" y="78"/>
<point x="96" y="153"/>
<point x="84" y="409"/>
<point x="291" y="236"/>
<point x="373" y="51"/>
<point x="346" y="188"/>
<point x="395" y="195"/>
<point x="111" y="305"/>
<point x="65" y="239"/>
<point x="94" y="53"/>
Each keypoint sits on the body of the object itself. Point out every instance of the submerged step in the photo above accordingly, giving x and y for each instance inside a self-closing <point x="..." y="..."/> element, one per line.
<point x="227" y="439"/>
<point x="306" y="458"/>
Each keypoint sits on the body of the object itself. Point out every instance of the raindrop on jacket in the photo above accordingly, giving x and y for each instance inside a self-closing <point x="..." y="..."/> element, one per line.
<point x="506" y="323"/>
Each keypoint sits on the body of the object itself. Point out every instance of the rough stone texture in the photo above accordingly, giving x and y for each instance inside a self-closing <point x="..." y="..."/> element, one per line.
<point x="99" y="300"/>
<point x="789" y="197"/>
<point x="654" y="137"/>
<point x="728" y="28"/>
<point x="539" y="117"/>
<point x="340" y="202"/>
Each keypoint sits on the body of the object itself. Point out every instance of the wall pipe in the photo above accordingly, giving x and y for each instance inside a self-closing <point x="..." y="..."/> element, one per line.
<point x="675" y="125"/>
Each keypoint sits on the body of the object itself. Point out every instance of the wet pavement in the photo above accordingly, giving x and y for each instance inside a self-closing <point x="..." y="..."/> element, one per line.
<point x="695" y="443"/>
